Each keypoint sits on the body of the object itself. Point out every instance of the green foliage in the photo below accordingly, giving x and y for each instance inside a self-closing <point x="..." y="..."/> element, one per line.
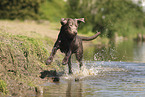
<point x="19" y="9"/>
<point x="109" y="16"/>
<point x="119" y="17"/>
<point x="3" y="87"/>
<point x="53" y="10"/>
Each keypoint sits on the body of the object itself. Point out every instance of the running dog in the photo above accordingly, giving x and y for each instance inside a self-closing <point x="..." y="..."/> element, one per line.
<point x="69" y="42"/>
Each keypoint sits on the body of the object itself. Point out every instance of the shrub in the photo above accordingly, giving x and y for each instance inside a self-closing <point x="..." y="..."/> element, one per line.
<point x="19" y="9"/>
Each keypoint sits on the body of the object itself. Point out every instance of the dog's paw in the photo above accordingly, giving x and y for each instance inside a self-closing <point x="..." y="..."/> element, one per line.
<point x="70" y="72"/>
<point x="49" y="60"/>
<point x="64" y="62"/>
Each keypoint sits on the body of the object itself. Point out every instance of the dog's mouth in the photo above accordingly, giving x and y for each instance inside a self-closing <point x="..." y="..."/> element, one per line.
<point x="72" y="33"/>
<point x="75" y="33"/>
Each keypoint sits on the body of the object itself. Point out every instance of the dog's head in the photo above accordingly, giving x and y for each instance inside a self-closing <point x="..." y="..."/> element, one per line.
<point x="71" y="25"/>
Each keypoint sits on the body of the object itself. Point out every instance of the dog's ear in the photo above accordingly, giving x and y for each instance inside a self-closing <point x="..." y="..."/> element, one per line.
<point x="80" y="20"/>
<point x="63" y="21"/>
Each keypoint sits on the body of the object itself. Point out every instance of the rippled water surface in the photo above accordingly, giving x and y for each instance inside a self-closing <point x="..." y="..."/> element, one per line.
<point x="105" y="74"/>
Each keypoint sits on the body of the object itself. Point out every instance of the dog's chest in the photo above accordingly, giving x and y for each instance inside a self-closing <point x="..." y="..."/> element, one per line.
<point x="64" y="45"/>
<point x="67" y="45"/>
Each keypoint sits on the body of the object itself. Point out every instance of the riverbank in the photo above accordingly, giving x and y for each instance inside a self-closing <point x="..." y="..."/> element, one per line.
<point x="24" y="47"/>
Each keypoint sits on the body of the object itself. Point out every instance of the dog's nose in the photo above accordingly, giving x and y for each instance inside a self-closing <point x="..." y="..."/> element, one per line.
<point x="75" y="32"/>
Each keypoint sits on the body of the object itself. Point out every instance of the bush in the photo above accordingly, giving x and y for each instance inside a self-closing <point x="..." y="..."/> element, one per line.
<point x="19" y="9"/>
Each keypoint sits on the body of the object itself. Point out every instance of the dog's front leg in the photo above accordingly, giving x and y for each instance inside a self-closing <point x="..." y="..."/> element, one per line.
<point x="66" y="58"/>
<point x="55" y="48"/>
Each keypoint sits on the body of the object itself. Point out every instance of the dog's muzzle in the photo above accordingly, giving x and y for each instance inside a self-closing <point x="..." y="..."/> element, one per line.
<point x="75" y="32"/>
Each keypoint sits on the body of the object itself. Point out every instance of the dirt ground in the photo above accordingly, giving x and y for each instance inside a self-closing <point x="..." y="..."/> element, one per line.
<point x="43" y="28"/>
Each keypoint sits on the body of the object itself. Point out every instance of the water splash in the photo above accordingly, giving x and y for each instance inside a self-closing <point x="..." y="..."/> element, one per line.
<point x="84" y="72"/>
<point x="93" y="69"/>
<point x="106" y="54"/>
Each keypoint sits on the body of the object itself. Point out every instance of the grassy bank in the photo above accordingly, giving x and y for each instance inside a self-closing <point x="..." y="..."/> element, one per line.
<point x="22" y="61"/>
<point x="24" y="48"/>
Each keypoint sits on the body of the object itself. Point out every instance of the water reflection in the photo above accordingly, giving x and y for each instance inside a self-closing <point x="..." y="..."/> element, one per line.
<point x="67" y="88"/>
<point x="139" y="52"/>
<point x="74" y="90"/>
<point x="127" y="51"/>
<point x="114" y="79"/>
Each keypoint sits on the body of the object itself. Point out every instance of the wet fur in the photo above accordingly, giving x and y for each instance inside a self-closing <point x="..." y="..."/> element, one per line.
<point x="69" y="42"/>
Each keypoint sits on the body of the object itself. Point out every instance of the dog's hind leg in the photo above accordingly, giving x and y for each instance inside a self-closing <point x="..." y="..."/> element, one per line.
<point x="79" y="56"/>
<point x="69" y="66"/>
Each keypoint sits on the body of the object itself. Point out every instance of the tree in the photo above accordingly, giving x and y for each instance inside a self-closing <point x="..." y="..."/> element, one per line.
<point x="21" y="9"/>
<point x="108" y="16"/>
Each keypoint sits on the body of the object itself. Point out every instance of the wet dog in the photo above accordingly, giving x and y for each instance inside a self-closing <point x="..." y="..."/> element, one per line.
<point x="69" y="42"/>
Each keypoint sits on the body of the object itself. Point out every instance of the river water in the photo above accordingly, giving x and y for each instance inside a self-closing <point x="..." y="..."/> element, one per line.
<point x="117" y="70"/>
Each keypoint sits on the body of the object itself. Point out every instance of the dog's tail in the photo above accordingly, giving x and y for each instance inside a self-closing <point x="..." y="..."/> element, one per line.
<point x="90" y="38"/>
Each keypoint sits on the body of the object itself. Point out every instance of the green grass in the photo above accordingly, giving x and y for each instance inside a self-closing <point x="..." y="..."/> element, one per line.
<point x="22" y="59"/>
<point x="3" y="87"/>
<point x="26" y="46"/>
